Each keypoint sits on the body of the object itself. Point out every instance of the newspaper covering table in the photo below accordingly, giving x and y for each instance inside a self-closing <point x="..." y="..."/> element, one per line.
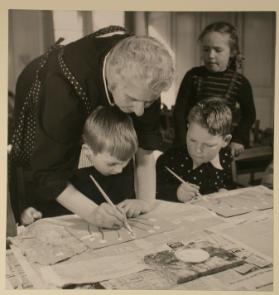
<point x="237" y="258"/>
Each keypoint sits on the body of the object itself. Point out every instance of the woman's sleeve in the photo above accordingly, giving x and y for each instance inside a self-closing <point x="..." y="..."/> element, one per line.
<point x="248" y="114"/>
<point x="57" y="142"/>
<point x="166" y="184"/>
<point x="182" y="107"/>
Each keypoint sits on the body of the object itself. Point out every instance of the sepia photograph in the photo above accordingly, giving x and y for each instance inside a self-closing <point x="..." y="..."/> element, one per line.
<point x="140" y="149"/>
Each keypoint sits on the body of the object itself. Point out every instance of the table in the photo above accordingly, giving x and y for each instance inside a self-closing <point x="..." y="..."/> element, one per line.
<point x="240" y="250"/>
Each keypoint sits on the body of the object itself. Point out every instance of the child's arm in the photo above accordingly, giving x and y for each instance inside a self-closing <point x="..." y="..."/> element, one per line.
<point x="170" y="185"/>
<point x="187" y="191"/>
<point x="167" y="184"/>
<point x="103" y="215"/>
<point x="236" y="148"/>
<point x="145" y="185"/>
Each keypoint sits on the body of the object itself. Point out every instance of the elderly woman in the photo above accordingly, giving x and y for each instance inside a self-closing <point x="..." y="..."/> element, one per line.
<point x="104" y="68"/>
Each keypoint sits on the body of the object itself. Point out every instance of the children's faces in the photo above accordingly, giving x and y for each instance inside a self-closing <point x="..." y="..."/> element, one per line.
<point x="202" y="146"/>
<point x="104" y="162"/>
<point x="216" y="51"/>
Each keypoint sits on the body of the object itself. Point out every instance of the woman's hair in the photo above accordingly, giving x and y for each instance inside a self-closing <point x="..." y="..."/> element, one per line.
<point x="236" y="59"/>
<point x="146" y="58"/>
<point x="212" y="114"/>
<point x="110" y="130"/>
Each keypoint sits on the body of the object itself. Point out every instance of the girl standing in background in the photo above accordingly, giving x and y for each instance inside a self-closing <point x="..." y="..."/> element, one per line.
<point x="218" y="77"/>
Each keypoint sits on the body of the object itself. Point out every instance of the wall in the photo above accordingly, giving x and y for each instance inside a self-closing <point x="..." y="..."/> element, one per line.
<point x="26" y="40"/>
<point x="259" y="49"/>
<point x="32" y="32"/>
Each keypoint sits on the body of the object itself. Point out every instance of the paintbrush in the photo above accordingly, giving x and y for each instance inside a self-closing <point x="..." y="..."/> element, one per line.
<point x="181" y="180"/>
<point x="106" y="197"/>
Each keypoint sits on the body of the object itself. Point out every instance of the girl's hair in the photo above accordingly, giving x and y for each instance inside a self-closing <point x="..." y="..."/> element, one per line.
<point x="146" y="58"/>
<point x="212" y="114"/>
<point x="236" y="59"/>
<point x="110" y="130"/>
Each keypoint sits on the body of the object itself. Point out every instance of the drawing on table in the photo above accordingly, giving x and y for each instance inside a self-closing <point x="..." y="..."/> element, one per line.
<point x="95" y="237"/>
<point x="136" y="224"/>
<point x="239" y="201"/>
<point x="49" y="241"/>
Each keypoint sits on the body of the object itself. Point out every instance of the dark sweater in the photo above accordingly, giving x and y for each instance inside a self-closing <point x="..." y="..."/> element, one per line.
<point x="206" y="176"/>
<point x="234" y="88"/>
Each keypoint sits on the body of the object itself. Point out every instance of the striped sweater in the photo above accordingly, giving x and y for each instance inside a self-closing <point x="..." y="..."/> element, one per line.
<point x="234" y="88"/>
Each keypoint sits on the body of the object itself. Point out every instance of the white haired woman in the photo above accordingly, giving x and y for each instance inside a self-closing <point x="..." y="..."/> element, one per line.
<point x="104" y="68"/>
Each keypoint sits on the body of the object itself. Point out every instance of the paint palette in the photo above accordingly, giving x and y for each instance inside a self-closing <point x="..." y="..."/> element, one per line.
<point x="200" y="258"/>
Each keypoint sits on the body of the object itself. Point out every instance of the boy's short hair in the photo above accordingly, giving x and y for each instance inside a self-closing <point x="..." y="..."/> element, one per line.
<point x="148" y="59"/>
<point x="107" y="129"/>
<point x="213" y="114"/>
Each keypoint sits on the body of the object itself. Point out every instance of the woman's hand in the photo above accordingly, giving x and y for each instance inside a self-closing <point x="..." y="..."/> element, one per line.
<point x="106" y="216"/>
<point x="236" y="149"/>
<point x="187" y="191"/>
<point x="135" y="207"/>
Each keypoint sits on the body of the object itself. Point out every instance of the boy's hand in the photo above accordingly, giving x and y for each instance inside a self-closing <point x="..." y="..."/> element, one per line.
<point x="187" y="191"/>
<point x="29" y="215"/>
<point x="107" y="216"/>
<point x="236" y="149"/>
<point x="134" y="207"/>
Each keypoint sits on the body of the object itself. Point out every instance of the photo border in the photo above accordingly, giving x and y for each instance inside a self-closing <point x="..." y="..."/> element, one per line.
<point x="141" y="5"/>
